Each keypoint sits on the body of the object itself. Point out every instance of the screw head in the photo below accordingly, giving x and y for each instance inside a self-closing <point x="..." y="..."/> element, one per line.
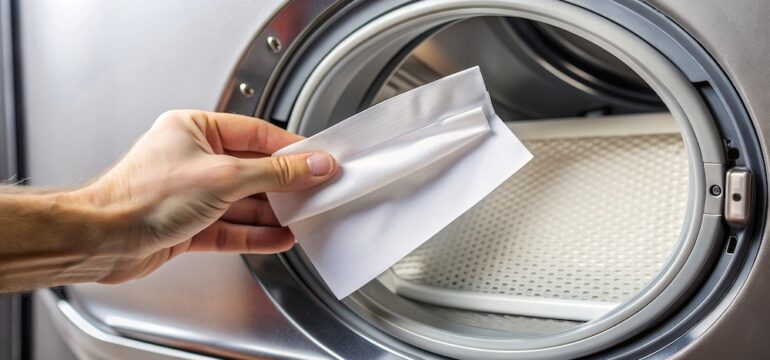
<point x="246" y="90"/>
<point x="715" y="190"/>
<point x="274" y="43"/>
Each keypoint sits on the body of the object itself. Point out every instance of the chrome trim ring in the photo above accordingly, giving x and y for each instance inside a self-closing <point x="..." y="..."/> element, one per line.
<point x="677" y="93"/>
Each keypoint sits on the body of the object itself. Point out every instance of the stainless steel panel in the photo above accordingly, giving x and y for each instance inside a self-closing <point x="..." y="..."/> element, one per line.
<point x="735" y="33"/>
<point x="10" y="304"/>
<point x="47" y="341"/>
<point x="207" y="302"/>
<point x="10" y="321"/>
<point x="98" y="73"/>
<point x="8" y="166"/>
<point x="88" y="342"/>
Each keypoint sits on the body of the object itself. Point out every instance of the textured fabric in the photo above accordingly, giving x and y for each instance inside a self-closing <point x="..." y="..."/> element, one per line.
<point x="408" y="167"/>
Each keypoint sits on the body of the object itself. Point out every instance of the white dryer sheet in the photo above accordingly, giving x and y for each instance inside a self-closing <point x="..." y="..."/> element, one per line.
<point x="408" y="167"/>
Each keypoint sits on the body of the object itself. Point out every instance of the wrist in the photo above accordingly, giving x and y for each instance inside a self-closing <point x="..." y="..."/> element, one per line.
<point x="89" y="231"/>
<point x="108" y="221"/>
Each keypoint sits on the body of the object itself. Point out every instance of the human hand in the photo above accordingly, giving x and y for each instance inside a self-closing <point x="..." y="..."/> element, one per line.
<point x="193" y="183"/>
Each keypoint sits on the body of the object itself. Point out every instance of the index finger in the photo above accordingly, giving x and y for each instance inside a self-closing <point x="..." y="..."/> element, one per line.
<point x="244" y="133"/>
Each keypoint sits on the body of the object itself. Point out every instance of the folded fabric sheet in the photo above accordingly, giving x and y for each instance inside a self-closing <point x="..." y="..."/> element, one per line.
<point x="408" y="167"/>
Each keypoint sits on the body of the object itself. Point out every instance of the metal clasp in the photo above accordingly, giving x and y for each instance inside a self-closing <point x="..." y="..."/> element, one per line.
<point x="737" y="196"/>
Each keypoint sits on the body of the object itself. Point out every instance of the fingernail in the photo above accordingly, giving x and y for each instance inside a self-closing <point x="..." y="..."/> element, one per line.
<point x="320" y="164"/>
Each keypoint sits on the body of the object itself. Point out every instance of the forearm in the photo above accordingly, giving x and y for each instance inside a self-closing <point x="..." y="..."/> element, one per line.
<point x="186" y="185"/>
<point x="48" y="238"/>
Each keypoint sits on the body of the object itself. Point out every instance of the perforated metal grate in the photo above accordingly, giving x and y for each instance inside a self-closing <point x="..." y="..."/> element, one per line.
<point x="587" y="219"/>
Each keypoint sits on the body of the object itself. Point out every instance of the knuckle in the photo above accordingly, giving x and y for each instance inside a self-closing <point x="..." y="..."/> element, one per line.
<point x="283" y="172"/>
<point x="200" y="118"/>
<point x="260" y="139"/>
<point x="182" y="117"/>
<point x="170" y="116"/>
<point x="220" y="167"/>
<point x="222" y="177"/>
<point x="229" y="172"/>
<point x="251" y="244"/>
<point x="221" y="238"/>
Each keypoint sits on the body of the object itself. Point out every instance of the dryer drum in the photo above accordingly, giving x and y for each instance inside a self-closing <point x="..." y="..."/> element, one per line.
<point x="614" y="227"/>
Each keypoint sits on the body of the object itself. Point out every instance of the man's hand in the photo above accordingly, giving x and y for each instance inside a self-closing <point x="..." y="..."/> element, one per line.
<point x="193" y="182"/>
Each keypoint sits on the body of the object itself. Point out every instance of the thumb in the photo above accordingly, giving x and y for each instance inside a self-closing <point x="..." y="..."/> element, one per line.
<point x="286" y="172"/>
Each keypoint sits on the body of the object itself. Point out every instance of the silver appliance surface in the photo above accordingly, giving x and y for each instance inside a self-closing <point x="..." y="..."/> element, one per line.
<point x="208" y="302"/>
<point x="96" y="74"/>
<point x="94" y="81"/>
<point x="733" y="32"/>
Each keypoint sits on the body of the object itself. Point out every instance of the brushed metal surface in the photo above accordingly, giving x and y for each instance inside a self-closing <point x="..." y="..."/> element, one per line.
<point x="10" y="304"/>
<point x="98" y="73"/>
<point x="47" y="341"/>
<point x="258" y="69"/>
<point x="735" y="34"/>
<point x="8" y="166"/>
<point x="206" y="302"/>
<point x="738" y="197"/>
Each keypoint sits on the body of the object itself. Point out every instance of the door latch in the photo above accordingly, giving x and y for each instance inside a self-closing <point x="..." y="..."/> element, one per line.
<point x="737" y="196"/>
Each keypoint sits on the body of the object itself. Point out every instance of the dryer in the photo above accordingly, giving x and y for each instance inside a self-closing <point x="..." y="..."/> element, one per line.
<point x="637" y="230"/>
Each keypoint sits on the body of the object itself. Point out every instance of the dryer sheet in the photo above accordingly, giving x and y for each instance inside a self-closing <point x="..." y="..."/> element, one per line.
<point x="409" y="166"/>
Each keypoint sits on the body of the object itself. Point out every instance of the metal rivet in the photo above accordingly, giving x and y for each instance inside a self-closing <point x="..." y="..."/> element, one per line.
<point x="715" y="190"/>
<point x="246" y="90"/>
<point x="274" y="43"/>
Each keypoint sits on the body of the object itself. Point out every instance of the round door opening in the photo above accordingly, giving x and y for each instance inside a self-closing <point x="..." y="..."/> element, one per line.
<point x="580" y="229"/>
<point x="600" y="236"/>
